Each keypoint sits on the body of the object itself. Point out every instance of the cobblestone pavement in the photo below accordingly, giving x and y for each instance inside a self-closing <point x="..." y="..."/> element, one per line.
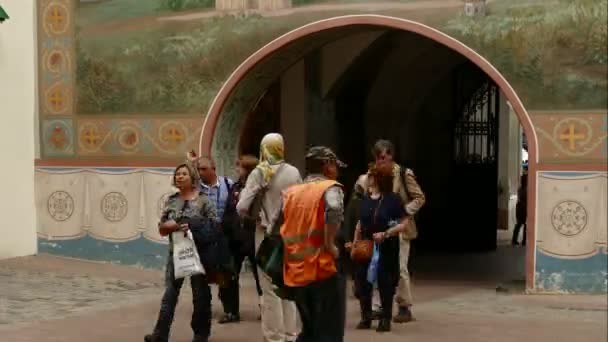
<point x="53" y="299"/>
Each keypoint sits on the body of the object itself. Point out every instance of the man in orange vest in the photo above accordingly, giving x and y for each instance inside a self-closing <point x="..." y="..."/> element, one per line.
<point x="309" y="219"/>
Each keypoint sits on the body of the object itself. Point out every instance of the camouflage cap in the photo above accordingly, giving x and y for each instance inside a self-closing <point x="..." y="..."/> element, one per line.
<point x="324" y="153"/>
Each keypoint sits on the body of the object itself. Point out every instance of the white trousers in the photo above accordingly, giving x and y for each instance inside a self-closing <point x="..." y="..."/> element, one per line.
<point x="280" y="319"/>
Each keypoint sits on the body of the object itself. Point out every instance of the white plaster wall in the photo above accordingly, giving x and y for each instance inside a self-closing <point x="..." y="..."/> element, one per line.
<point x="293" y="114"/>
<point x="18" y="98"/>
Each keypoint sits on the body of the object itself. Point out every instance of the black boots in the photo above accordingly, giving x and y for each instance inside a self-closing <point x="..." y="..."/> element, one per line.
<point x="366" y="314"/>
<point x="384" y="325"/>
<point x="154" y="338"/>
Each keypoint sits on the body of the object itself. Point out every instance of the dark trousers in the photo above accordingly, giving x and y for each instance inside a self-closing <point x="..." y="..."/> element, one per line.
<point x="229" y="294"/>
<point x="322" y="308"/>
<point x="515" y="239"/>
<point x="364" y="291"/>
<point x="201" y="300"/>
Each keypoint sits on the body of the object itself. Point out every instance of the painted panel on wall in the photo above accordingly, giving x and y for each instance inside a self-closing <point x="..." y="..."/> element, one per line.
<point x="567" y="136"/>
<point x="56" y="40"/>
<point x="108" y="214"/>
<point x="571" y="231"/>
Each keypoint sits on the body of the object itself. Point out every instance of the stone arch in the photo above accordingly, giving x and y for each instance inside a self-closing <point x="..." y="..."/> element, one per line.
<point x="238" y="91"/>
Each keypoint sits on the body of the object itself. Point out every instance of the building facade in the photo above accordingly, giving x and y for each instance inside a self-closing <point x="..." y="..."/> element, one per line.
<point x="123" y="94"/>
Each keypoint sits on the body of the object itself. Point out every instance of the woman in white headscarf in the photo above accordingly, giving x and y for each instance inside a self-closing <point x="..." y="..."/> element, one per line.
<point x="264" y="186"/>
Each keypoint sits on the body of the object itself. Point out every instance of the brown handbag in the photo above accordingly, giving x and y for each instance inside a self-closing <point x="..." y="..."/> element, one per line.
<point x="362" y="251"/>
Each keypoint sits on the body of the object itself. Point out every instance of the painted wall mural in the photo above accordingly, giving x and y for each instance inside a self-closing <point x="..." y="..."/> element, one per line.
<point x="129" y="81"/>
<point x="120" y="42"/>
<point x="127" y="61"/>
<point x="571" y="235"/>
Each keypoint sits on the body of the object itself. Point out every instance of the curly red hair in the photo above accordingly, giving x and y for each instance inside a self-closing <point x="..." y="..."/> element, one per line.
<point x="383" y="178"/>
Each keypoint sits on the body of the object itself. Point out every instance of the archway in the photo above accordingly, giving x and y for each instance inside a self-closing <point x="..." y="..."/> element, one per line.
<point x="237" y="93"/>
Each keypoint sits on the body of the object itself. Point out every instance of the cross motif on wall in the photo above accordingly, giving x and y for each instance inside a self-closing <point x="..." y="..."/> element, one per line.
<point x="91" y="137"/>
<point x="56" y="18"/>
<point x="174" y="136"/>
<point x="56" y="99"/>
<point x="571" y="136"/>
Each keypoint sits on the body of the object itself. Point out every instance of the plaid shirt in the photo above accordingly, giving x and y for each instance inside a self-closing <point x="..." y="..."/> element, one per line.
<point x="218" y="195"/>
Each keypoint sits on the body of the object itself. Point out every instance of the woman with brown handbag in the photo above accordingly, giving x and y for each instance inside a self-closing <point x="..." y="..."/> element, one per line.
<point x="378" y="229"/>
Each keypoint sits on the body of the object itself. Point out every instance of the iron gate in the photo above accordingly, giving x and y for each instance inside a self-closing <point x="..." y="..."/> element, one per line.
<point x="475" y="198"/>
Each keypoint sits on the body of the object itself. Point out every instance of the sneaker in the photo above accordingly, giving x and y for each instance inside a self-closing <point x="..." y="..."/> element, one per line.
<point x="230" y="318"/>
<point x="404" y="315"/>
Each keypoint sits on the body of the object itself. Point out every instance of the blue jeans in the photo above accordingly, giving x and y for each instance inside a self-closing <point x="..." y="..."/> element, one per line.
<point x="201" y="300"/>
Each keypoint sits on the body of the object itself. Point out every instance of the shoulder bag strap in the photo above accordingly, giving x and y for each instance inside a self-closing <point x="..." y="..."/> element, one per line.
<point x="266" y="187"/>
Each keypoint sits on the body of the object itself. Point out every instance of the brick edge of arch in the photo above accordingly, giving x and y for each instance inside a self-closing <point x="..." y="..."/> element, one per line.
<point x="215" y="110"/>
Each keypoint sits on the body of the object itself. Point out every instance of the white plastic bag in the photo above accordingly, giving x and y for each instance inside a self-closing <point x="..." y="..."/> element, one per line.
<point x="186" y="261"/>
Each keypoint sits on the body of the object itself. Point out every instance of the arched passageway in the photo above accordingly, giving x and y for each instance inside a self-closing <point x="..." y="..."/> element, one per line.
<point x="251" y="80"/>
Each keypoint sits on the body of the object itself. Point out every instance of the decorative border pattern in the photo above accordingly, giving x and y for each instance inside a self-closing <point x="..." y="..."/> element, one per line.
<point x="57" y="137"/>
<point x="147" y="136"/>
<point x="56" y="57"/>
<point x="580" y="137"/>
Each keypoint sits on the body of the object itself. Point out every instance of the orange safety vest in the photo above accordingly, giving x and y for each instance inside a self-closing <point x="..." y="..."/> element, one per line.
<point x="303" y="231"/>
